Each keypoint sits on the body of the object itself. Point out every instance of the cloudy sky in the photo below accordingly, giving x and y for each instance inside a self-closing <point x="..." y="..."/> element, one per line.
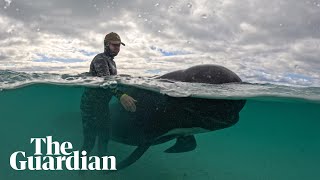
<point x="266" y="41"/>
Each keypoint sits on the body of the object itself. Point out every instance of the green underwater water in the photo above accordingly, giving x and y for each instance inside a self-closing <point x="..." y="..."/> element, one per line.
<point x="275" y="138"/>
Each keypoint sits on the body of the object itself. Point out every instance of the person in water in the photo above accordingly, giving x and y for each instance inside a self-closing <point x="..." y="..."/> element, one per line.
<point x="95" y="101"/>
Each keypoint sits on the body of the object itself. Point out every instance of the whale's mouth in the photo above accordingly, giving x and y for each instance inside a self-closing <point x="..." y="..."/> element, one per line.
<point x="185" y="131"/>
<point x="211" y="120"/>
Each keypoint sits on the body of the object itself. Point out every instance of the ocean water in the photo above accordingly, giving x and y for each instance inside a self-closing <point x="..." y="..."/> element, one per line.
<point x="276" y="137"/>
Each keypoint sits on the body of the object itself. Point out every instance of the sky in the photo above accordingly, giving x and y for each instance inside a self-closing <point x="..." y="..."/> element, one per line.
<point x="263" y="41"/>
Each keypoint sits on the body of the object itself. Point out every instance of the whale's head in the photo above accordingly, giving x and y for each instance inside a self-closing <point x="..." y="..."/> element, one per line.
<point x="213" y="114"/>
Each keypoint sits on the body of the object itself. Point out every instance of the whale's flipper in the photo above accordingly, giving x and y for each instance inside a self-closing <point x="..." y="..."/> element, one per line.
<point x="133" y="157"/>
<point x="183" y="144"/>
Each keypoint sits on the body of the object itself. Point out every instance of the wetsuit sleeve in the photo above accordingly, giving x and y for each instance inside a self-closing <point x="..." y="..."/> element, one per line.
<point x="117" y="93"/>
<point x="99" y="67"/>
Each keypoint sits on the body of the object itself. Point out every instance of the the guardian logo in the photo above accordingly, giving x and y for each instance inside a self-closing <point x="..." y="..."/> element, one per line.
<point x="62" y="158"/>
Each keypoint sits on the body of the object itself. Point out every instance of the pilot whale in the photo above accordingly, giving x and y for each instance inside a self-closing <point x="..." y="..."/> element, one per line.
<point x="160" y="118"/>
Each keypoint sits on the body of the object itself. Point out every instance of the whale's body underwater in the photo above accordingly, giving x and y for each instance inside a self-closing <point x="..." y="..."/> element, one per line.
<point x="160" y="118"/>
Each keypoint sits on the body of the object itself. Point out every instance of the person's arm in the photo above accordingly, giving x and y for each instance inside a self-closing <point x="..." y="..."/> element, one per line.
<point x="99" y="67"/>
<point x="126" y="101"/>
<point x="117" y="93"/>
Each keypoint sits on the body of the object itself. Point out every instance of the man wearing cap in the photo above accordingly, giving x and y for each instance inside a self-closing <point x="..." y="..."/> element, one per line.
<point x="95" y="101"/>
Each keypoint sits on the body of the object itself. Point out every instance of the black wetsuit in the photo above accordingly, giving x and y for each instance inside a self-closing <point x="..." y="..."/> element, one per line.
<point x="95" y="105"/>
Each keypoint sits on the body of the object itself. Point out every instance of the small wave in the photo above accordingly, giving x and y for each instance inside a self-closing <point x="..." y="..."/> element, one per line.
<point x="10" y="80"/>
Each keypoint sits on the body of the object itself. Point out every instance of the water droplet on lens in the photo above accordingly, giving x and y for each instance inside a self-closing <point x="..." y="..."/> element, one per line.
<point x="139" y="16"/>
<point x="156" y="5"/>
<point x="204" y="16"/>
<point x="189" y="5"/>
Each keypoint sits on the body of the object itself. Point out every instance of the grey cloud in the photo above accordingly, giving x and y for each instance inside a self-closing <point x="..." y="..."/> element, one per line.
<point x="3" y="57"/>
<point x="248" y="36"/>
<point x="278" y="21"/>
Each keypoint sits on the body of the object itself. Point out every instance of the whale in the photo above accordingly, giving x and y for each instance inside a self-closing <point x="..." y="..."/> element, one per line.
<point x="160" y="118"/>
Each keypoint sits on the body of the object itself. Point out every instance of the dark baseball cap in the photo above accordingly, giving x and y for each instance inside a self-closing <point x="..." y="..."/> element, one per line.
<point x="113" y="38"/>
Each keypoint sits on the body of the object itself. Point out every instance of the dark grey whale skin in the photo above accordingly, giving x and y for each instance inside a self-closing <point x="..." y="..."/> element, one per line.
<point x="210" y="74"/>
<point x="158" y="114"/>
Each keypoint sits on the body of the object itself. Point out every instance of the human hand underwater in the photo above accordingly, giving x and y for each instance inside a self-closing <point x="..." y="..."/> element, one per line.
<point x="128" y="102"/>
